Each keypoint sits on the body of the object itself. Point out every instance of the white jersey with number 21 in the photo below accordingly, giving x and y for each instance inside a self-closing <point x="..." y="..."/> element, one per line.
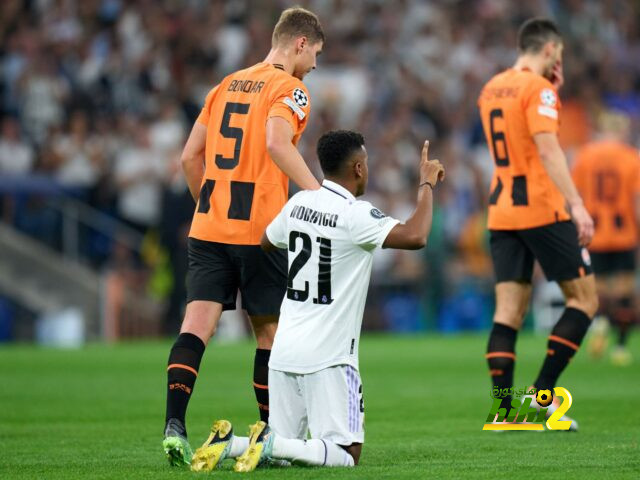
<point x="330" y="237"/>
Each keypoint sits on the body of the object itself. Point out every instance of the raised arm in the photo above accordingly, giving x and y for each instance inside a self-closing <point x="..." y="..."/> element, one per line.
<point x="286" y="155"/>
<point x="413" y="234"/>
<point x="555" y="164"/>
<point x="193" y="158"/>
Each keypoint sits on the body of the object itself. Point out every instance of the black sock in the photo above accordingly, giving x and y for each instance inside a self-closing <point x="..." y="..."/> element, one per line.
<point x="261" y="381"/>
<point x="182" y="371"/>
<point x="622" y="318"/>
<point x="501" y="357"/>
<point x="564" y="341"/>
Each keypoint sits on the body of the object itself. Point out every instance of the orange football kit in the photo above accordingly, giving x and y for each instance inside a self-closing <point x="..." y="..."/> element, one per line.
<point x="607" y="174"/>
<point x="528" y="218"/>
<point x="243" y="189"/>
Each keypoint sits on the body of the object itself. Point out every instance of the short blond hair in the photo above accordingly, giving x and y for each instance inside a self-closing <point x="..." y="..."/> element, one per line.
<point x="298" y="22"/>
<point x="613" y="121"/>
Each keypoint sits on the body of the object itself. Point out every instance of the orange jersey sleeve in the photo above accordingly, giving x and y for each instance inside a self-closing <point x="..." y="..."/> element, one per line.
<point x="514" y="106"/>
<point x="243" y="189"/>
<point x="542" y="107"/>
<point x="205" y="113"/>
<point x="607" y="175"/>
<point x="292" y="103"/>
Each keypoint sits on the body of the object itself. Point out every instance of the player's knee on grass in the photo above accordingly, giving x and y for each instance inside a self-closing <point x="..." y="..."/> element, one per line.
<point x="201" y="319"/>
<point x="581" y="293"/>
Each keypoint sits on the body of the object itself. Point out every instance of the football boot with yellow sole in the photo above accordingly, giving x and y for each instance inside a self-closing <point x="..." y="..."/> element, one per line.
<point x="214" y="449"/>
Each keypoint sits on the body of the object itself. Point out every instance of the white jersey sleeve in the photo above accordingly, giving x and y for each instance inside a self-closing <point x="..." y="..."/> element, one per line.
<point x="277" y="230"/>
<point x="368" y="226"/>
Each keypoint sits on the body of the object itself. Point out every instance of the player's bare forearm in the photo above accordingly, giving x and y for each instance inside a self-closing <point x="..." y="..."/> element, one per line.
<point x="555" y="164"/>
<point x="556" y="167"/>
<point x="413" y="234"/>
<point x="193" y="172"/>
<point x="292" y="164"/>
<point x="193" y="158"/>
<point x="286" y="156"/>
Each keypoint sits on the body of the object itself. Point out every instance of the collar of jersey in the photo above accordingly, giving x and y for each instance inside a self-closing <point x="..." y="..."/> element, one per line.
<point x="337" y="189"/>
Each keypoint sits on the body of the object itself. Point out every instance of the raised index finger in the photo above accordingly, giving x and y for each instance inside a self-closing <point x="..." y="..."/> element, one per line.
<point x="425" y="149"/>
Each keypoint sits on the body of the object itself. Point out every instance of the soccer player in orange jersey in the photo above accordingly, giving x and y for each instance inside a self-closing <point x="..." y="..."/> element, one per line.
<point x="607" y="174"/>
<point x="238" y="160"/>
<point x="532" y="204"/>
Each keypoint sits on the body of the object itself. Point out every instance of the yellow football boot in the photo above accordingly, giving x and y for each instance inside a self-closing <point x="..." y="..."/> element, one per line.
<point x="215" y="448"/>
<point x="259" y="450"/>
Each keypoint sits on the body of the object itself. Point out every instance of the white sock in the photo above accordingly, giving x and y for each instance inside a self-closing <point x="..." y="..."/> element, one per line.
<point x="312" y="452"/>
<point x="238" y="446"/>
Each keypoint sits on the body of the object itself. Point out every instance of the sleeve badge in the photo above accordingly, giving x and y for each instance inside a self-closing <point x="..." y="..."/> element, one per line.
<point x="377" y="214"/>
<point x="548" y="97"/>
<point x="300" y="97"/>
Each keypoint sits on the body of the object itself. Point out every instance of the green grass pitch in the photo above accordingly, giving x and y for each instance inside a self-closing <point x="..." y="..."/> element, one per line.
<point x="98" y="412"/>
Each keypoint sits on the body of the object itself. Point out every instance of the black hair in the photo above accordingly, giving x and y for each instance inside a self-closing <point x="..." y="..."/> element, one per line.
<point x="535" y="33"/>
<point x="336" y="147"/>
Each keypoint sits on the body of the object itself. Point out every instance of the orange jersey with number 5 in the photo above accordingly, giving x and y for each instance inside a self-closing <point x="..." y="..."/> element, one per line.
<point x="514" y="106"/>
<point x="607" y="175"/>
<point x="243" y="189"/>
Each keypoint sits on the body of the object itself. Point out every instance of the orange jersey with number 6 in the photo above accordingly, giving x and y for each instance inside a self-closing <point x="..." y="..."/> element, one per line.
<point x="514" y="106"/>
<point x="607" y="175"/>
<point x="243" y="189"/>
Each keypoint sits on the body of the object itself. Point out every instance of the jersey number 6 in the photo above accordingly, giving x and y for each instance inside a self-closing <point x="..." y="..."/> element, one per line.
<point x="501" y="161"/>
<point x="519" y="194"/>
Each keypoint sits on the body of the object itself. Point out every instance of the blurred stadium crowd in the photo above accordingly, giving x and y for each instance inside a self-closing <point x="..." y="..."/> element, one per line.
<point x="99" y="95"/>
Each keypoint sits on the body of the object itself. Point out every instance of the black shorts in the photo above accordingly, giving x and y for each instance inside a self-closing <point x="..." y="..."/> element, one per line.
<point x="555" y="246"/>
<point x="218" y="270"/>
<point x="608" y="263"/>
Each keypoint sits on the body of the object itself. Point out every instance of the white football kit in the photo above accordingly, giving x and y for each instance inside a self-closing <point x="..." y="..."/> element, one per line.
<point x="314" y="382"/>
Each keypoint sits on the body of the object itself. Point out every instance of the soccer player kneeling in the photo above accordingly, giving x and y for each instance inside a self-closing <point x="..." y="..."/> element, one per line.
<point x="314" y="378"/>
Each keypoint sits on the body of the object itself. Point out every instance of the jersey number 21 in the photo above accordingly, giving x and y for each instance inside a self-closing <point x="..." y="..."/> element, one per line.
<point x="324" y="268"/>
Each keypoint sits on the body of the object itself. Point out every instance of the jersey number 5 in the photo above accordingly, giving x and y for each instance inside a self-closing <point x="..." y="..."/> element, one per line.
<point x="241" y="192"/>
<point x="324" y="269"/>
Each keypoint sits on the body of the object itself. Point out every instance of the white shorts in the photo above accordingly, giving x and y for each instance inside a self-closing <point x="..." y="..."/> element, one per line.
<point x="328" y="404"/>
